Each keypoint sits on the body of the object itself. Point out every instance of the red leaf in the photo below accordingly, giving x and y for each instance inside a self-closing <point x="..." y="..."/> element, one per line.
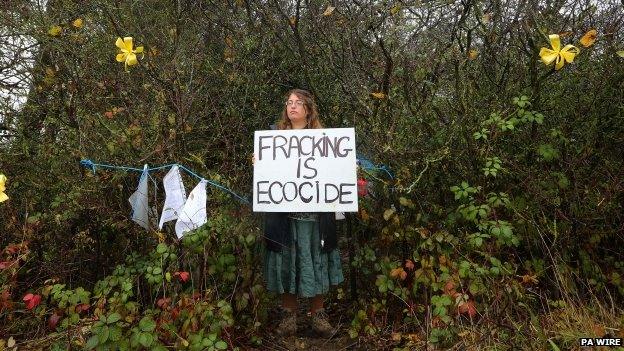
<point x="82" y="307"/>
<point x="468" y="308"/>
<point x="183" y="276"/>
<point x="13" y="248"/>
<point x="5" y="300"/>
<point x="175" y="313"/>
<point x="163" y="302"/>
<point x="32" y="301"/>
<point x="362" y="187"/>
<point x="449" y="288"/>
<point x="6" y="264"/>
<point x="53" y="321"/>
<point x="409" y="264"/>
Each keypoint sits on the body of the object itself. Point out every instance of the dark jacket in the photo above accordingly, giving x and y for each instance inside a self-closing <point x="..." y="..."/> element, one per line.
<point x="277" y="234"/>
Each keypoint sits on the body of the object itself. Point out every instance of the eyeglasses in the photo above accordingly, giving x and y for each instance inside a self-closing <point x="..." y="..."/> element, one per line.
<point x="299" y="103"/>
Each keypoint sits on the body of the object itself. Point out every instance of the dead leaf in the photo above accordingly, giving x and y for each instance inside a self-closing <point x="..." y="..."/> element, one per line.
<point x="378" y="95"/>
<point x="599" y="331"/>
<point x="589" y="38"/>
<point x="398" y="272"/>
<point x="472" y="54"/>
<point x="329" y="10"/>
<point x="529" y="279"/>
<point x="364" y="215"/>
<point x="388" y="213"/>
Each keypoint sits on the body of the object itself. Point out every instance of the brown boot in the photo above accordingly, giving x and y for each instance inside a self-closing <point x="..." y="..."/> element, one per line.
<point x="288" y="325"/>
<point x="321" y="325"/>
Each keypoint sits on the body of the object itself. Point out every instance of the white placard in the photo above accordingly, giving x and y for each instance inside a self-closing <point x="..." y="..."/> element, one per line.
<point x="305" y="170"/>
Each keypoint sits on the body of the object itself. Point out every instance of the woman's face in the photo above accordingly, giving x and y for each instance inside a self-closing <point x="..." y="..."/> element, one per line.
<point x="295" y="108"/>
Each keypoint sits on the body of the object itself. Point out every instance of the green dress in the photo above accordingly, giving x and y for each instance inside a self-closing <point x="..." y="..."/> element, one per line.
<point x="302" y="269"/>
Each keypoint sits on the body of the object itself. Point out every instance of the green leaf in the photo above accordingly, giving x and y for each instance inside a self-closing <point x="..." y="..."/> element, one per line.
<point x="113" y="318"/>
<point x="146" y="339"/>
<point x="221" y="345"/>
<point x="92" y="342"/>
<point x="553" y="345"/>
<point x="161" y="248"/>
<point x="621" y="53"/>
<point x="103" y="334"/>
<point x="114" y="333"/>
<point x="147" y="324"/>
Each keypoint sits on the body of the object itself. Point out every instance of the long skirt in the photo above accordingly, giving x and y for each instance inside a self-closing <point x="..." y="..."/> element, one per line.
<point x="302" y="269"/>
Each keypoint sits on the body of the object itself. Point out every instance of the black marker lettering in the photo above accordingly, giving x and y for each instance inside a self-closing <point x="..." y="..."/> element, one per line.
<point x="327" y="192"/>
<point x="317" y="192"/>
<point x="305" y="199"/>
<point x="305" y="164"/>
<point x="343" y="193"/>
<point x="346" y="151"/>
<point x="260" y="147"/>
<point x="293" y="145"/>
<point x="319" y="147"/>
<point x="261" y="192"/>
<point x="311" y="145"/>
<point x="271" y="193"/>
<point x="294" y="191"/>
<point x="275" y="146"/>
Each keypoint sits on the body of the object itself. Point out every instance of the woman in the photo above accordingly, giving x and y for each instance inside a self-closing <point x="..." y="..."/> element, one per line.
<point x="301" y="257"/>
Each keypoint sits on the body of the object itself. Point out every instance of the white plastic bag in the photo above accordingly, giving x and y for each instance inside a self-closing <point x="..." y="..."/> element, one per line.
<point x="138" y="201"/>
<point x="175" y="196"/>
<point x="193" y="214"/>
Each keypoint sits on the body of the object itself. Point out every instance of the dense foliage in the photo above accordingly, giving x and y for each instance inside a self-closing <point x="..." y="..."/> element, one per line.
<point x="500" y="224"/>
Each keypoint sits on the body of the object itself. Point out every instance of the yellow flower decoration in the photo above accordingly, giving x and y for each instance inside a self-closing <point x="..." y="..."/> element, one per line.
<point x="557" y="54"/>
<point x="3" y="196"/>
<point x="127" y="55"/>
